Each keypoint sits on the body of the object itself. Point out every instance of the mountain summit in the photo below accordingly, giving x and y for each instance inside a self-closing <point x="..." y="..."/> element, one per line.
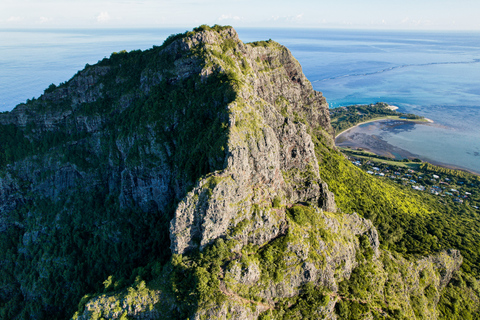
<point x="184" y="182"/>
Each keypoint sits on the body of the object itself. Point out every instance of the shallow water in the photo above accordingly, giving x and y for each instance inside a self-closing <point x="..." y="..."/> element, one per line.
<point x="433" y="74"/>
<point x="427" y="141"/>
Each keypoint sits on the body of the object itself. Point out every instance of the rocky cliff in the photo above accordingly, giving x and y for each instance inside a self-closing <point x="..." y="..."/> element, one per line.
<point x="184" y="182"/>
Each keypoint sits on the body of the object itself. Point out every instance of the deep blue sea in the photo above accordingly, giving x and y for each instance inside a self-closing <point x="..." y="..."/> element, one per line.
<point x="433" y="74"/>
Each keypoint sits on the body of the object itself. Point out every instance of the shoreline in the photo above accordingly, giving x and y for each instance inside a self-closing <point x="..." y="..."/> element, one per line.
<point x="422" y="158"/>
<point x="383" y="118"/>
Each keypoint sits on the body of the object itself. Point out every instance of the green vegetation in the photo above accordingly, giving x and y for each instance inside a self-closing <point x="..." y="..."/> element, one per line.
<point x="263" y="43"/>
<point x="201" y="28"/>
<point x="305" y="305"/>
<point x="370" y="156"/>
<point x="62" y="248"/>
<point x="89" y="243"/>
<point x="202" y="270"/>
<point x="222" y="262"/>
<point x="410" y="222"/>
<point x="67" y="243"/>
<point x="451" y="187"/>
<point x="345" y="117"/>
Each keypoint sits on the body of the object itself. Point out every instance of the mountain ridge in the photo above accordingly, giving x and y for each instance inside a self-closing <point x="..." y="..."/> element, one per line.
<point x="188" y="181"/>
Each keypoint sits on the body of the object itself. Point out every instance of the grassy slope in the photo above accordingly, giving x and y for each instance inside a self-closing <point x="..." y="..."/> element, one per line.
<point x="412" y="224"/>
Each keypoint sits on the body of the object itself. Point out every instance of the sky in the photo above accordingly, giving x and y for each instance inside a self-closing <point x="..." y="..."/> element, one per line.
<point x="351" y="14"/>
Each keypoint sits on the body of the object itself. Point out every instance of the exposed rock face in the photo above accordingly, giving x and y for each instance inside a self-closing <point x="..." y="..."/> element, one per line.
<point x="269" y="153"/>
<point x="205" y="141"/>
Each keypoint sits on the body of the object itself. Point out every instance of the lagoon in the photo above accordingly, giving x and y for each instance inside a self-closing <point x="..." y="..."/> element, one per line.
<point x="407" y="139"/>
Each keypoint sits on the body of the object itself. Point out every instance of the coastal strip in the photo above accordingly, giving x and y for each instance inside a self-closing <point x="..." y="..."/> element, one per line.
<point x="423" y="120"/>
<point x="345" y="118"/>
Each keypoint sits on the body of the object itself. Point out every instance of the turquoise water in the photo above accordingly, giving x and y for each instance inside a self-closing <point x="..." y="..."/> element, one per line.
<point x="434" y="74"/>
<point x="430" y="141"/>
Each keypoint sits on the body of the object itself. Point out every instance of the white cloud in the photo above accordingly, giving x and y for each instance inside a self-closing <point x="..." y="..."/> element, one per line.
<point x="298" y="17"/>
<point x="45" y="20"/>
<point x="103" y="17"/>
<point x="14" y="19"/>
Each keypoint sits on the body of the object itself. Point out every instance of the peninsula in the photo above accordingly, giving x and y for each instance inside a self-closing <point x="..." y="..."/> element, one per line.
<point x="345" y="118"/>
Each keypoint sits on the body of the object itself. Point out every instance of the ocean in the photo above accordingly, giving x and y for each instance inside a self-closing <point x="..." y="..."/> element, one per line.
<point x="433" y="74"/>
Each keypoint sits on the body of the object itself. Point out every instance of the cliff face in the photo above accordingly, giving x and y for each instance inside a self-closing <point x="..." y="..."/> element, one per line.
<point x="193" y="167"/>
<point x="269" y="154"/>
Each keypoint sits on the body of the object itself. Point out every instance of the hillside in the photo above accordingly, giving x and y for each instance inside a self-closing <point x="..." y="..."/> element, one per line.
<point x="194" y="180"/>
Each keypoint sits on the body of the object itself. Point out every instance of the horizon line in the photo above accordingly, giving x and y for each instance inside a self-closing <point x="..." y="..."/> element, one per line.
<point x="37" y="29"/>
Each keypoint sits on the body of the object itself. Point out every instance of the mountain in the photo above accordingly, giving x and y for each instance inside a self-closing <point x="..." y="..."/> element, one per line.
<point x="192" y="180"/>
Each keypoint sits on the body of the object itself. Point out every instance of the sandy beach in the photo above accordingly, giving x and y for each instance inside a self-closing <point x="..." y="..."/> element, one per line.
<point x="374" y="143"/>
<point x="381" y="119"/>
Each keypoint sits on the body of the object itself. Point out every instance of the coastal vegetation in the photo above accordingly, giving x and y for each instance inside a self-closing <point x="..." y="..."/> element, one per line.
<point x="413" y="223"/>
<point x="343" y="118"/>
<point x="430" y="208"/>
<point x="448" y="197"/>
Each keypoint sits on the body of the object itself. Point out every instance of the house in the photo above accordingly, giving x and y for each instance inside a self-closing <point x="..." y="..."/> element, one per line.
<point x="435" y="176"/>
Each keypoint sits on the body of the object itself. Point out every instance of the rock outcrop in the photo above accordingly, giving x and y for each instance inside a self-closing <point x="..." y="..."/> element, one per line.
<point x="194" y="166"/>
<point x="269" y="154"/>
